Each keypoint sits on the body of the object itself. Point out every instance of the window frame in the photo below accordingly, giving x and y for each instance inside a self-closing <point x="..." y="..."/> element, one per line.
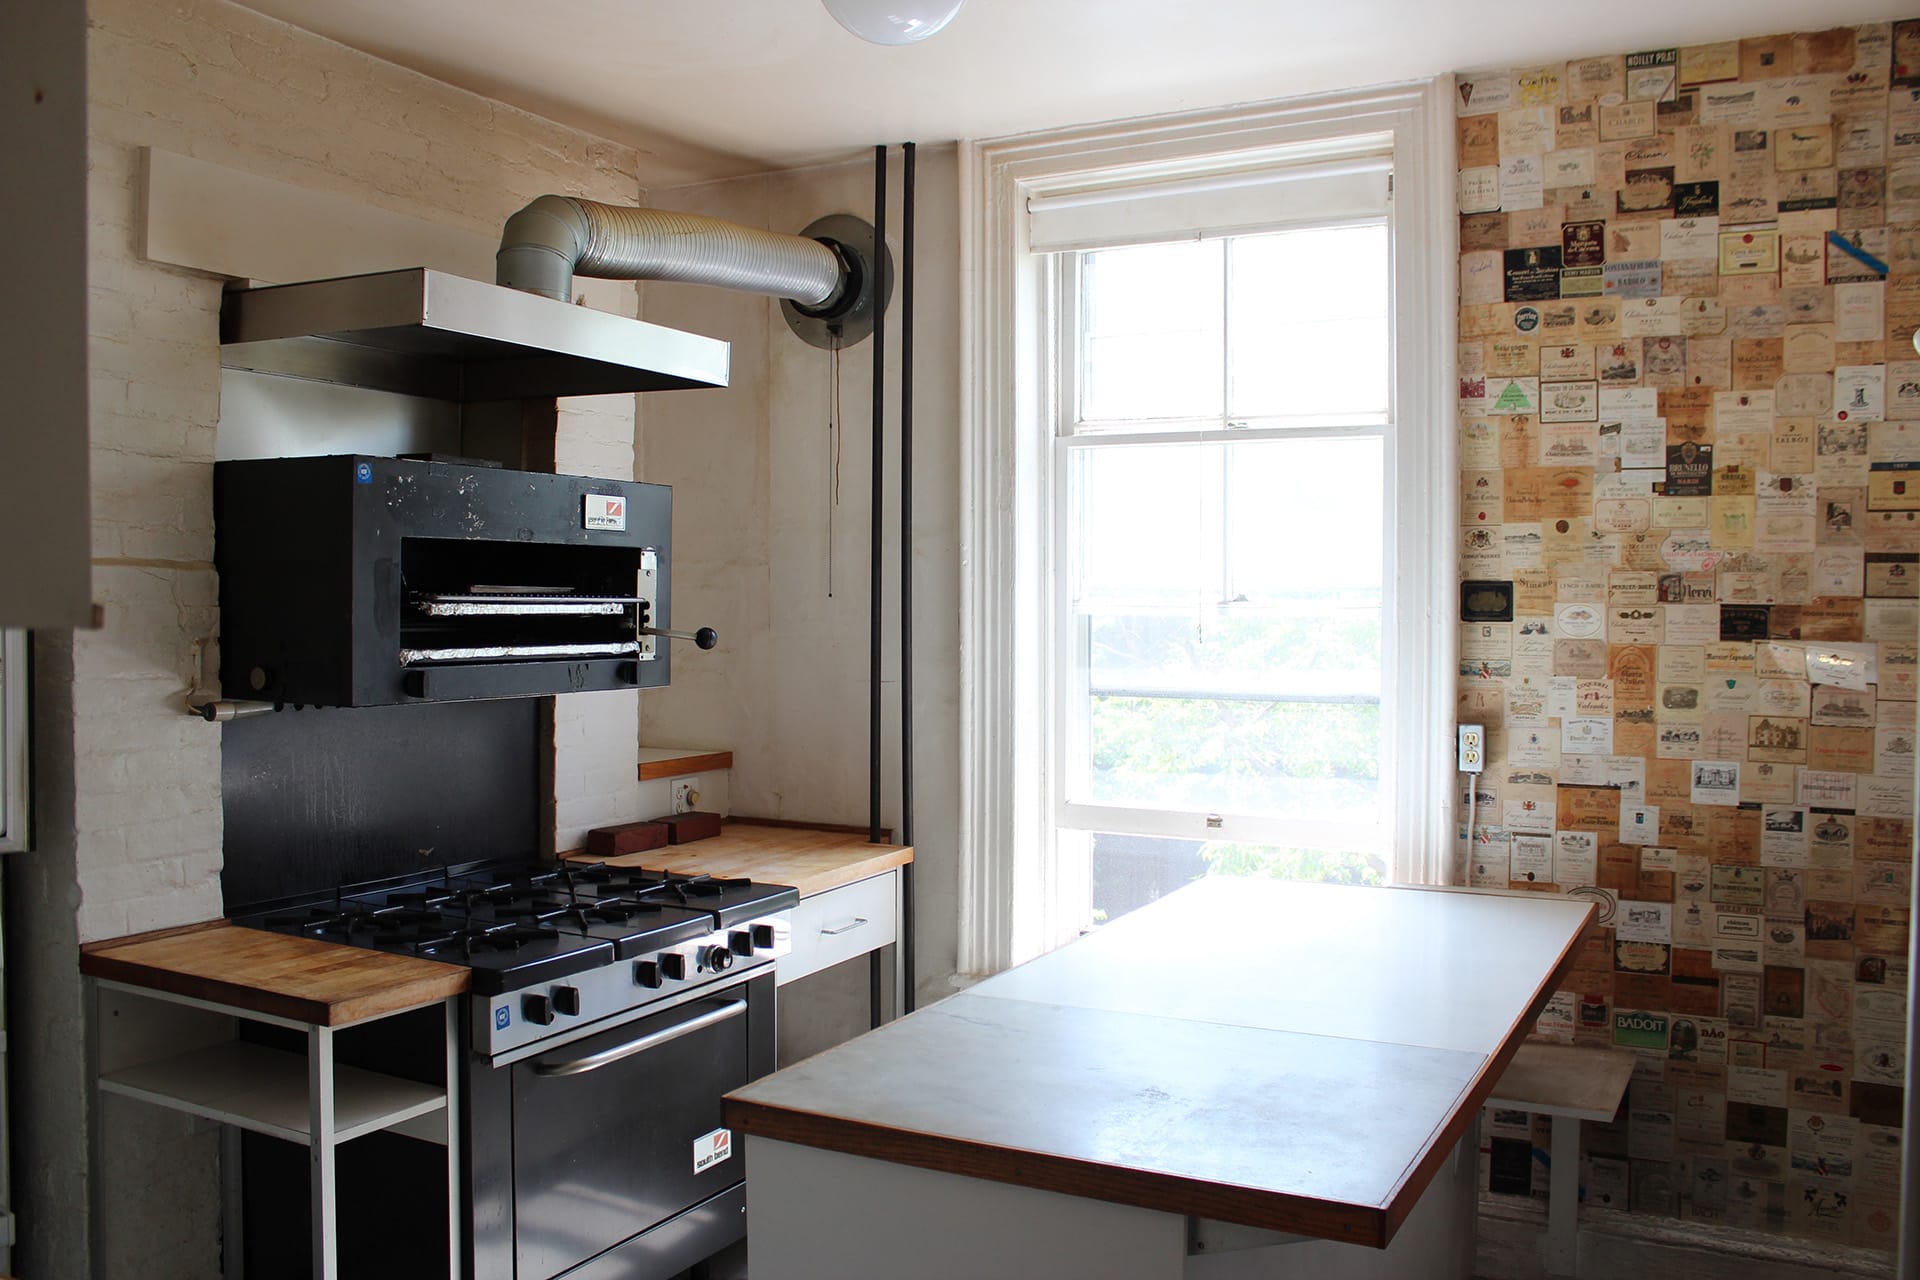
<point x="1011" y="883"/>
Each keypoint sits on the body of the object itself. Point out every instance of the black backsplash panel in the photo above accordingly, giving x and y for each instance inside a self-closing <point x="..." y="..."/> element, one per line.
<point x="316" y="797"/>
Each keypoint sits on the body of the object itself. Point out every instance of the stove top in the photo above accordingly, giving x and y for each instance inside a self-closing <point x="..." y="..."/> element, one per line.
<point x="519" y="925"/>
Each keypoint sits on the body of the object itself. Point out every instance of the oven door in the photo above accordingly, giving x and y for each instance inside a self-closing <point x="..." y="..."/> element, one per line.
<point x="616" y="1133"/>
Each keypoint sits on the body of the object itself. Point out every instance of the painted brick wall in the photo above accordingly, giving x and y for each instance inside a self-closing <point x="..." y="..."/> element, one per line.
<point x="131" y="826"/>
<point x="1689" y="406"/>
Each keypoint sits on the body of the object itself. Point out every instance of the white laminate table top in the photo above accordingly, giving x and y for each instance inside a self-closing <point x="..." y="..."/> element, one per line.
<point x="1439" y="969"/>
<point x="1286" y="1055"/>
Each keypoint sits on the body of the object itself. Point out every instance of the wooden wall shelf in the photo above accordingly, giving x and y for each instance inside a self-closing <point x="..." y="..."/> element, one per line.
<point x="676" y="762"/>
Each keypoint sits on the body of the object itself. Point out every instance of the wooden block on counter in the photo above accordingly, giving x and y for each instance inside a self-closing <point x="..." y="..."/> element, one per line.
<point x="684" y="828"/>
<point x="628" y="837"/>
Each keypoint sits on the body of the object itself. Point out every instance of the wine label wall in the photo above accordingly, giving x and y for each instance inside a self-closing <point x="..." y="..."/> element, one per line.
<point x="1690" y="448"/>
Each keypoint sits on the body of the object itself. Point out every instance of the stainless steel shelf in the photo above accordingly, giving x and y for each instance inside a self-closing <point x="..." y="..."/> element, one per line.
<point x="427" y="333"/>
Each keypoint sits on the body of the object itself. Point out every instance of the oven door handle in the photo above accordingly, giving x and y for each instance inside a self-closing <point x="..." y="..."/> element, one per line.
<point x="607" y="1057"/>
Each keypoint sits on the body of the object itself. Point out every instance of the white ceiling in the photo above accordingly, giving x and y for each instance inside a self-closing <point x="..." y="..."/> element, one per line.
<point x="714" y="88"/>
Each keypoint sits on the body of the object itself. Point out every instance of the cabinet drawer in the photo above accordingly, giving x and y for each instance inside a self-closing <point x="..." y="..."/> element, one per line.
<point x="841" y="924"/>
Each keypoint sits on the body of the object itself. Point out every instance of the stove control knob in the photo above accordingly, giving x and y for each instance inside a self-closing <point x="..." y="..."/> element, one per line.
<point x="647" y="973"/>
<point x="763" y="936"/>
<point x="719" y="959"/>
<point x="537" y="1009"/>
<point x="740" y="942"/>
<point x="673" y="964"/>
<point x="567" y="1000"/>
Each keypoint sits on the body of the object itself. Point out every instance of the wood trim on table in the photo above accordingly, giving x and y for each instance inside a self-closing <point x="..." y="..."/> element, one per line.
<point x="800" y="824"/>
<point x="1091" y="1179"/>
<point x="151" y="935"/>
<point x="1413" y="1183"/>
<point x="692" y="762"/>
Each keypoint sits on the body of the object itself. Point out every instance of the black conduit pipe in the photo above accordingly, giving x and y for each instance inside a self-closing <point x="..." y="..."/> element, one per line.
<point x="878" y="499"/>
<point x="906" y="565"/>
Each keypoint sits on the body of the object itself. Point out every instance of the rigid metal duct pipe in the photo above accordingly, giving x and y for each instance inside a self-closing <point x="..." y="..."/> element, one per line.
<point x="544" y="245"/>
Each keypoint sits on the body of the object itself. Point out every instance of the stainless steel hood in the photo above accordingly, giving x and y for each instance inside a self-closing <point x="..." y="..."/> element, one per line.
<point x="427" y="333"/>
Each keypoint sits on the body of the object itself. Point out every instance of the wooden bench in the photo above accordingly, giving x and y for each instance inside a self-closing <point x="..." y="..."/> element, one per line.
<point x="1571" y="1083"/>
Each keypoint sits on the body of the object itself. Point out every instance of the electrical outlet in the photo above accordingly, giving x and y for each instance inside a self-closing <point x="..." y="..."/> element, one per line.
<point x="685" y="794"/>
<point x="1473" y="748"/>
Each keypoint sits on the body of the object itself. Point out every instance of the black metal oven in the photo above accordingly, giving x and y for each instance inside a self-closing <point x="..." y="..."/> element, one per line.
<point x="611" y="1009"/>
<point x="358" y="581"/>
<point x="615" y="1163"/>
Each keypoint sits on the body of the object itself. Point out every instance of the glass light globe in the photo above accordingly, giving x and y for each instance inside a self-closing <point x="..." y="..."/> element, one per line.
<point x="893" y="21"/>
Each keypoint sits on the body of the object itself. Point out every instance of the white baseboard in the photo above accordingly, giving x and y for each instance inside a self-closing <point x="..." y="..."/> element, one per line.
<point x="1622" y="1246"/>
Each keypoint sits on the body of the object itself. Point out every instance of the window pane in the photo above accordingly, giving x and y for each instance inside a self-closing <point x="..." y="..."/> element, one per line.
<point x="1150" y="339"/>
<point x="1307" y="521"/>
<point x="1145" y="526"/>
<point x="1131" y="871"/>
<point x="1230" y="649"/>
<point x="1270" y="756"/>
<point x="1308" y="324"/>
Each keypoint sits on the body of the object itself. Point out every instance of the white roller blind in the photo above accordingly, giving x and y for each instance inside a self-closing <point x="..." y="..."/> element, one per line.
<point x="1285" y="191"/>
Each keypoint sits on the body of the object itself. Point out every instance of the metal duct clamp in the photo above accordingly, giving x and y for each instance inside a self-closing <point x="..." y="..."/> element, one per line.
<point x="848" y="316"/>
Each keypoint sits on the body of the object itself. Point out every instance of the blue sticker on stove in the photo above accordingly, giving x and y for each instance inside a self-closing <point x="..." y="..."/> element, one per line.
<point x="363" y="473"/>
<point x="501" y="1017"/>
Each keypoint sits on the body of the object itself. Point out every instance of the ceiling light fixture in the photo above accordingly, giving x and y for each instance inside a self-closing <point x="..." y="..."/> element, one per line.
<point x="893" y="21"/>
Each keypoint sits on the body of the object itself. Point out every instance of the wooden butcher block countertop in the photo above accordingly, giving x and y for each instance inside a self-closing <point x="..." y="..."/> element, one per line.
<point x="1296" y="1057"/>
<point x="811" y="859"/>
<point x="302" y="979"/>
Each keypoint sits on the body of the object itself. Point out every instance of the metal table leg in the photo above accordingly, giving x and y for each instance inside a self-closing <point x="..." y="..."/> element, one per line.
<point x="233" y="1217"/>
<point x="454" y="1209"/>
<point x="1563" y="1198"/>
<point x="320" y="1153"/>
<point x="903" y="947"/>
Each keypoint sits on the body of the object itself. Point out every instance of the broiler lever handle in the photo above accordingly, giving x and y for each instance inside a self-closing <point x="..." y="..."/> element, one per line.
<point x="704" y="638"/>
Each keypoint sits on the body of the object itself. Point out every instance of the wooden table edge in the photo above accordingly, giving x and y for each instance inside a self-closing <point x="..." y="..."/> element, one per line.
<point x="865" y="860"/>
<point x="403" y="995"/>
<point x="1420" y="1174"/>
<point x="151" y="935"/>
<point x="1281" y="1211"/>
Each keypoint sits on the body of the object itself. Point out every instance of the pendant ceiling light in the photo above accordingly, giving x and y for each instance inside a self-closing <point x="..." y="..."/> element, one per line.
<point x="893" y="21"/>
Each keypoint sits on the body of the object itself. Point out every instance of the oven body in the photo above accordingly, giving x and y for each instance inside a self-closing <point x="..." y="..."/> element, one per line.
<point x="358" y="581"/>
<point x="585" y="1150"/>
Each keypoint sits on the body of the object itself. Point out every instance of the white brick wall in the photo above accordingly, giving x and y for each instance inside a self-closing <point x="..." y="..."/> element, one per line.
<point x="212" y="80"/>
<point x="218" y="82"/>
<point x="596" y="735"/>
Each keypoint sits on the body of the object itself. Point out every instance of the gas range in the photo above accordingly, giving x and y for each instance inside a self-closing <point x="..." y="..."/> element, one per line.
<point x="556" y="948"/>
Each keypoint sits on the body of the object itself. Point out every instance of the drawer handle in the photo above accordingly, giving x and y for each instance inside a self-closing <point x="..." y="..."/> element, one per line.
<point x="858" y="921"/>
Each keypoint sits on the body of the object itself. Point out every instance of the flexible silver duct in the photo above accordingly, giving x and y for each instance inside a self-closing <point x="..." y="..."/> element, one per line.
<point x="546" y="243"/>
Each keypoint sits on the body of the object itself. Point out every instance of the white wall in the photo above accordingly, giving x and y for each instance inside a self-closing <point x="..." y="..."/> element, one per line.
<point x="130" y="785"/>
<point x="43" y="258"/>
<point x="752" y="471"/>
